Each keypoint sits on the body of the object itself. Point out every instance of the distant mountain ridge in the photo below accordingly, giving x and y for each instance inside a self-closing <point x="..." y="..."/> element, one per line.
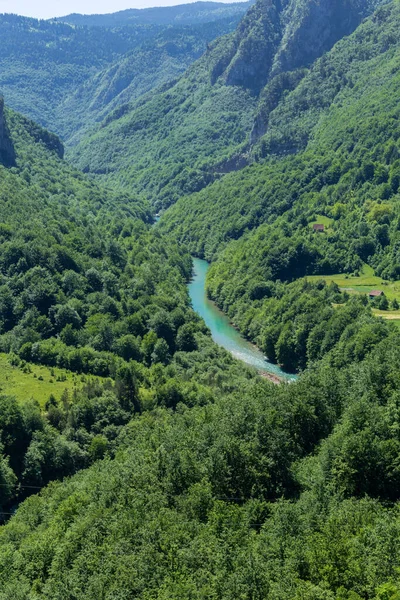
<point x="182" y="14"/>
<point x="158" y="61"/>
<point x="67" y="77"/>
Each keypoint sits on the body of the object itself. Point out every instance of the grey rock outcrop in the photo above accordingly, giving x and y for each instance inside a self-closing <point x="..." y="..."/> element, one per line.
<point x="7" y="152"/>
<point x="277" y="36"/>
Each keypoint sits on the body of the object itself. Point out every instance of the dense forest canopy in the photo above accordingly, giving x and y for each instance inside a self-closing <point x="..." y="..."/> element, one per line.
<point x="144" y="461"/>
<point x="258" y="223"/>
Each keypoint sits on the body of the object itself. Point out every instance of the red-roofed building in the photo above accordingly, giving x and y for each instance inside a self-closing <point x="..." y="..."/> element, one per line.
<point x="318" y="227"/>
<point x="375" y="294"/>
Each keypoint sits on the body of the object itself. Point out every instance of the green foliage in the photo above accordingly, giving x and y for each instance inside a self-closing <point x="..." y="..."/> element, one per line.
<point x="186" y="135"/>
<point x="184" y="474"/>
<point x="69" y="77"/>
<point x="88" y="287"/>
<point x="195" y="492"/>
<point x="80" y="283"/>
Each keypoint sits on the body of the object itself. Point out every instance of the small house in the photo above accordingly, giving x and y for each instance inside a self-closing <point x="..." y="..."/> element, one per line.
<point x="319" y="227"/>
<point x="375" y="294"/>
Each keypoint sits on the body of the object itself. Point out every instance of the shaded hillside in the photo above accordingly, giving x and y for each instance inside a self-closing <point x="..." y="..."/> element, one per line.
<point x="67" y="77"/>
<point x="7" y="152"/>
<point x="156" y="62"/>
<point x="213" y="107"/>
<point x="41" y="62"/>
<point x="167" y="143"/>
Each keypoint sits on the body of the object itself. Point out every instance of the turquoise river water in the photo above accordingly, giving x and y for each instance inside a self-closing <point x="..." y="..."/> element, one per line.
<point x="223" y="333"/>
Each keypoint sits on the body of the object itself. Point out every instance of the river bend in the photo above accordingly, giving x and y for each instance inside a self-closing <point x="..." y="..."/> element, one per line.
<point x="223" y="333"/>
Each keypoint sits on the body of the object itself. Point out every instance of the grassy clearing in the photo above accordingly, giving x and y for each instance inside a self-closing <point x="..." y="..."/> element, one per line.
<point x="322" y="220"/>
<point x="392" y="315"/>
<point x="365" y="283"/>
<point x="38" y="382"/>
<point x="396" y="322"/>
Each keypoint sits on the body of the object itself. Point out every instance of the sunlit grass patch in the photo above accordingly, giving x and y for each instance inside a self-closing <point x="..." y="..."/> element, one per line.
<point x="28" y="381"/>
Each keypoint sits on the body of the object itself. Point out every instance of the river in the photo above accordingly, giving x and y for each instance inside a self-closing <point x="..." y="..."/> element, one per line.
<point x="223" y="333"/>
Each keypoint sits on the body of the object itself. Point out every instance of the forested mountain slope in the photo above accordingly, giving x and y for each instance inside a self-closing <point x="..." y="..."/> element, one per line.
<point x="154" y="63"/>
<point x="200" y="127"/>
<point x="87" y="288"/>
<point x="342" y="122"/>
<point x="182" y="14"/>
<point x="172" y="471"/>
<point x="42" y="62"/>
<point x="196" y="479"/>
<point x="189" y="476"/>
<point x="159" y="145"/>
<point x="67" y="77"/>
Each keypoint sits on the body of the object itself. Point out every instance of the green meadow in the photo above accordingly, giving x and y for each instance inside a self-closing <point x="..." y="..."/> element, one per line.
<point x="322" y="220"/>
<point x="28" y="381"/>
<point x="363" y="284"/>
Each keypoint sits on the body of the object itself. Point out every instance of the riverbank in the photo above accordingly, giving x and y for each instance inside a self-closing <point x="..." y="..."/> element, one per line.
<point x="225" y="333"/>
<point x="272" y="378"/>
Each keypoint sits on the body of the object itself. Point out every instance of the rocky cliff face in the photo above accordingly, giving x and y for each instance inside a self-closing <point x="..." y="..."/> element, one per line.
<point x="270" y="97"/>
<point x="259" y="36"/>
<point x="48" y="139"/>
<point x="278" y="39"/>
<point x="247" y="61"/>
<point x="311" y="27"/>
<point x="277" y="36"/>
<point x="7" y="153"/>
